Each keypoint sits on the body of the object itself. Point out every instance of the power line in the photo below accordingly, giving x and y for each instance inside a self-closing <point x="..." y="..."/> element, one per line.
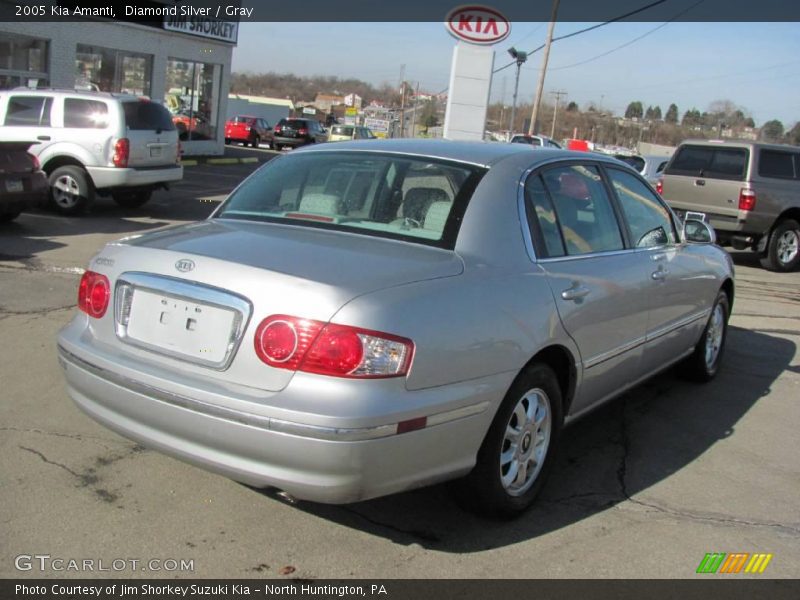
<point x="574" y="33"/>
<point x="634" y="40"/>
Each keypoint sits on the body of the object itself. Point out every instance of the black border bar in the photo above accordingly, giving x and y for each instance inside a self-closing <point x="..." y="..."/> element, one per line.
<point x="430" y="10"/>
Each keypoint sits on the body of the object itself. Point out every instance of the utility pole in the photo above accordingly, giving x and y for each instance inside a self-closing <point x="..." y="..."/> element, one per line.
<point x="540" y="86"/>
<point x="414" y="119"/>
<point x="402" y="99"/>
<point x="555" y="110"/>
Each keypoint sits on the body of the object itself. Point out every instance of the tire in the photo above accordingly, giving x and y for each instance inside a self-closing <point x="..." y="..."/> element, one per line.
<point x="703" y="364"/>
<point x="7" y="217"/>
<point x="132" y="199"/>
<point x="524" y="431"/>
<point x="277" y="147"/>
<point x="71" y="190"/>
<point x="783" y="248"/>
<point x="227" y="141"/>
<point x="256" y="141"/>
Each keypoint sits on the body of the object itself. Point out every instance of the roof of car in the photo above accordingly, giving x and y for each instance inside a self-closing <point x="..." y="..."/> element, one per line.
<point x="479" y="153"/>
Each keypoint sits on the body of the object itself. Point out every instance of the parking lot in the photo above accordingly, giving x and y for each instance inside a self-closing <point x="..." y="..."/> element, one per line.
<point x="644" y="487"/>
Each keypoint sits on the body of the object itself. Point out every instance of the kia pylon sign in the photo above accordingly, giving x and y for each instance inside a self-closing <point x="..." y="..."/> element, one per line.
<point x="477" y="25"/>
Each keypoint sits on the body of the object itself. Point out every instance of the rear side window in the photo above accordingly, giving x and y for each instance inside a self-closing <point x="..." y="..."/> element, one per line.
<point x="773" y="163"/>
<point x="542" y="217"/>
<point x="85" y="114"/>
<point x="28" y="111"/>
<point x="585" y="217"/>
<point x="711" y="162"/>
<point x="141" y="115"/>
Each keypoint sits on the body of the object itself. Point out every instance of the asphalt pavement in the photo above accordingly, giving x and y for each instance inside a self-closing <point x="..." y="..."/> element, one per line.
<point x="642" y="488"/>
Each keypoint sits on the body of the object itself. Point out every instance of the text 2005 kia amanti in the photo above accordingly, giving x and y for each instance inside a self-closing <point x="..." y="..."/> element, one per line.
<point x="369" y="317"/>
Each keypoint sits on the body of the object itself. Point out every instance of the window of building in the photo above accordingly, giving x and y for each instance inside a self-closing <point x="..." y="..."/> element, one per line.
<point x="193" y="98"/>
<point x="23" y="61"/>
<point x="111" y="70"/>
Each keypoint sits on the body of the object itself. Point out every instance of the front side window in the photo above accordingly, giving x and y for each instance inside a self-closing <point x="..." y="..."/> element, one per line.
<point x="649" y="221"/>
<point x="386" y="196"/>
<point x="586" y="219"/>
<point x="85" y="114"/>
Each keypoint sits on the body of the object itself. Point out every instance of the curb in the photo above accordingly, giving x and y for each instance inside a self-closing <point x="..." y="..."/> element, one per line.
<point x="193" y="162"/>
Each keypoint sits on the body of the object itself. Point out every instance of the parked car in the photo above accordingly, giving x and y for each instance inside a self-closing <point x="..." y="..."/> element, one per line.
<point x="94" y="144"/>
<point x="293" y="132"/>
<point x="649" y="166"/>
<point x="344" y="133"/>
<point x="23" y="184"/>
<point x="534" y="140"/>
<point x="749" y="191"/>
<point x="363" y="318"/>
<point x="248" y="130"/>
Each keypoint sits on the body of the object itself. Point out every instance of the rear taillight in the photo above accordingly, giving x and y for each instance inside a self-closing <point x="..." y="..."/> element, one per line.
<point x="277" y="129"/>
<point x="302" y="131"/>
<point x="660" y="186"/>
<point x="287" y="342"/>
<point x="94" y="293"/>
<point x="122" y="151"/>
<point x="747" y="199"/>
<point x="35" y="160"/>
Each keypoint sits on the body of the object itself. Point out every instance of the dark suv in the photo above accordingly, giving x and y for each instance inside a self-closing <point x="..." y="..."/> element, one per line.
<point x="297" y="132"/>
<point x="749" y="191"/>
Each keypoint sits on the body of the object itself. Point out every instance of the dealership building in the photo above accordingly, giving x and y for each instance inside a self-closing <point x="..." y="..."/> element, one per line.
<point x="184" y="62"/>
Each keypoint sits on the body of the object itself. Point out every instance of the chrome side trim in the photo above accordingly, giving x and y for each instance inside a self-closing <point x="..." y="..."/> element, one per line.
<point x="654" y="335"/>
<point x="338" y="434"/>
<point x="184" y="290"/>
<point x="703" y="314"/>
<point x="596" y="360"/>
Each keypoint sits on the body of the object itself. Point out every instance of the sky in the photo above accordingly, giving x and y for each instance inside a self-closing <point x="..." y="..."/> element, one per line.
<point x="754" y="65"/>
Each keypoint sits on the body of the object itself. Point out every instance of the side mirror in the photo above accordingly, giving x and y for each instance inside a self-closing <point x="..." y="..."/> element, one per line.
<point x="698" y="232"/>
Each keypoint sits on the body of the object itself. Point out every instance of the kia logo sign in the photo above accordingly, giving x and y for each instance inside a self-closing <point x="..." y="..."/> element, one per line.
<point x="477" y="24"/>
<point x="184" y="265"/>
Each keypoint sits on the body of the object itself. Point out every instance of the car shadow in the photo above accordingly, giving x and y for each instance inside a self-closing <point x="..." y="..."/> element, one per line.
<point x="745" y="258"/>
<point x="624" y="448"/>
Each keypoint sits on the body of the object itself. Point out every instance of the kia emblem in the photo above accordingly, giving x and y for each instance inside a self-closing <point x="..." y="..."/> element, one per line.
<point x="184" y="265"/>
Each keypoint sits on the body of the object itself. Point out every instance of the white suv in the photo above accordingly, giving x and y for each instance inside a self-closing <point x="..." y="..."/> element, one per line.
<point x="94" y="143"/>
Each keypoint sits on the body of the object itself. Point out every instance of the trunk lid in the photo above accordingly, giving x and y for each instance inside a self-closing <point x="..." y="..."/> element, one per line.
<point x="276" y="269"/>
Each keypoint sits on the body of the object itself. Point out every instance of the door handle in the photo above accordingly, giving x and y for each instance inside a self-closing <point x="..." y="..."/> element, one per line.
<point x="575" y="293"/>
<point x="44" y="138"/>
<point x="660" y="275"/>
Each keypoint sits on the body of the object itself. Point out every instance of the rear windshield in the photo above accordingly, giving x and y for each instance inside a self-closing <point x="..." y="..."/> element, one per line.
<point x="637" y="162"/>
<point x="521" y="139"/>
<point x="342" y="130"/>
<point x="144" y="115"/>
<point x="294" y="122"/>
<point x="709" y="161"/>
<point x="245" y="120"/>
<point x="414" y="199"/>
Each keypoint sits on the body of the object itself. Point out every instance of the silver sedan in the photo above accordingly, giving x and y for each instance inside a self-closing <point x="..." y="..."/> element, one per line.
<point x="363" y="318"/>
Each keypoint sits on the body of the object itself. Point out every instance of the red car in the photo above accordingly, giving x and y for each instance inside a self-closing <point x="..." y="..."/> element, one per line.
<point x="248" y="130"/>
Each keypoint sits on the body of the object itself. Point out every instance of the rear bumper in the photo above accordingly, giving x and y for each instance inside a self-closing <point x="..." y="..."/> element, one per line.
<point x="734" y="221"/>
<point x="305" y="457"/>
<point x="287" y="141"/>
<point x="111" y="177"/>
<point x="35" y="190"/>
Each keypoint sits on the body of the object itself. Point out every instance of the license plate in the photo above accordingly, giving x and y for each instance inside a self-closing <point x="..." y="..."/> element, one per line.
<point x="155" y="152"/>
<point x="14" y="185"/>
<point x="179" y="326"/>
